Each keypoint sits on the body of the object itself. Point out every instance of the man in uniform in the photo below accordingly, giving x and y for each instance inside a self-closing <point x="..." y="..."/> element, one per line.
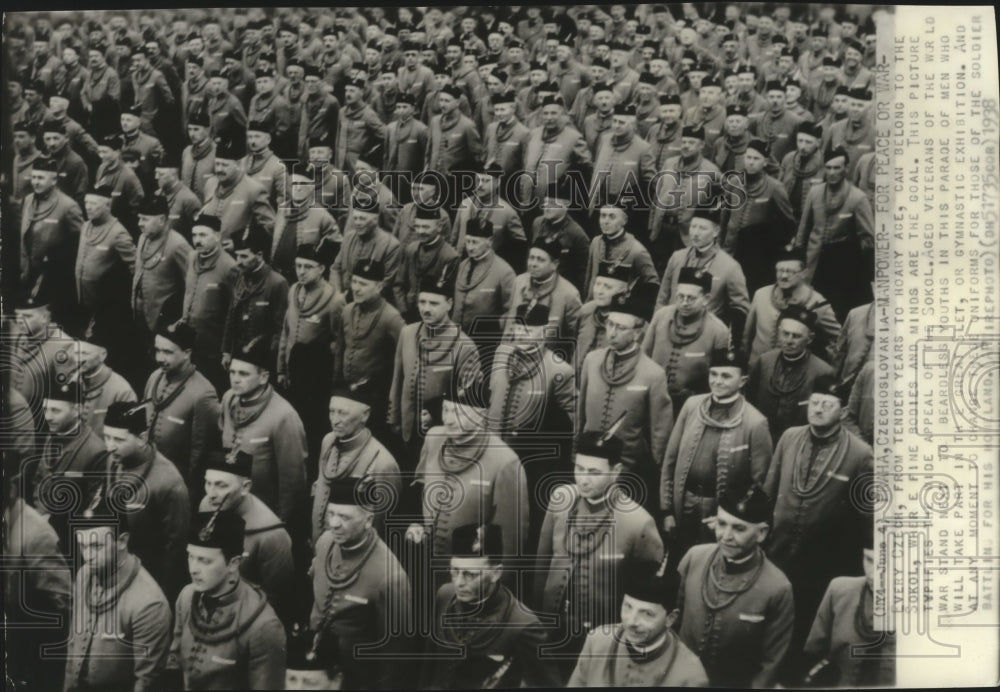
<point x="591" y="334"/>
<point x="425" y="192"/>
<point x="359" y="131"/>
<point x="73" y="178"/>
<point x="727" y="298"/>
<point x="482" y="635"/>
<point x="620" y="381"/>
<point x="405" y="142"/>
<point x="161" y="263"/>
<point x="486" y="204"/>
<point x="790" y="288"/>
<point x="736" y="606"/>
<point x="816" y="469"/>
<point x="99" y="383"/>
<point x="623" y="167"/>
<point x="119" y="636"/>
<point x="184" y="406"/>
<point x="781" y="378"/>
<point x="267" y="551"/>
<point x="351" y="450"/>
<point x="506" y="137"/>
<point x="361" y="594"/>
<point x="126" y="190"/>
<point x="272" y="113"/>
<point x="617" y="246"/>
<point x="856" y="132"/>
<point x="159" y="510"/>
<point x="641" y="650"/>
<point x="720" y="442"/>
<point x="591" y="533"/>
<point x="260" y="297"/>
<point x="209" y="284"/>
<point x="225" y="635"/>
<point x="430" y="354"/>
<point x="233" y="196"/>
<point x="554" y="149"/>
<point x="365" y="239"/>
<point x="854" y="344"/>
<point x="556" y="223"/>
<point x="259" y="421"/>
<point x="263" y="165"/>
<point x="681" y="336"/>
<point x="542" y="284"/>
<point x="301" y="221"/>
<point x="802" y="168"/>
<point x="428" y="253"/>
<point x="50" y="234"/>
<point x="182" y="203"/>
<point x="777" y="125"/>
<point x="136" y="137"/>
<point x="198" y="158"/>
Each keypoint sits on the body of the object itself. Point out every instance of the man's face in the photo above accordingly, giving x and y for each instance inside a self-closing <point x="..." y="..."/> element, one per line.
<point x="690" y="300"/>
<point x="503" y="111"/>
<point x="204" y="239"/>
<point x="41" y="48"/>
<point x="265" y="85"/>
<point x="839" y="104"/>
<point x="96" y="206"/>
<point x="447" y="102"/>
<point x="834" y="170"/>
<point x="593" y="475"/>
<point x="622" y="125"/>
<point x="120" y="443"/>
<point x="61" y="416"/>
<point x="856" y="109"/>
<point x="347" y="523"/>
<point x="611" y="220"/>
<point x="554" y="209"/>
<point x="433" y="307"/>
<point x="246" y="378"/>
<point x="352" y="94"/>
<point x="702" y="232"/>
<point x="99" y="547"/>
<point x="411" y="58"/>
<point x="58" y="105"/>
<point x="852" y="58"/>
<point x="32" y="97"/>
<point x="365" y="290"/>
<point x="364" y="220"/>
<point x="130" y="123"/>
<point x="95" y="59"/>
<point x="473" y="578"/>
<point x="427" y="231"/>
<point x="537" y="76"/>
<point x="806" y="144"/>
<point x="605" y="289"/>
<point x="604" y="100"/>
<point x="644" y="622"/>
<point x="515" y="53"/>
<point x="792" y="94"/>
<point x="623" y="330"/>
<point x="469" y="62"/>
<point x="709" y="96"/>
<point x="724" y="382"/>
<point x="485" y="184"/>
<point x="248" y="260"/>
<point x="753" y="162"/>
<point x="320" y="154"/>
<point x="226" y="170"/>
<point x="54" y="141"/>
<point x="193" y="71"/>
<point x="151" y="224"/>
<point x="165" y="176"/>
<point x="476" y="247"/>
<point x="452" y="54"/>
<point x="776" y="100"/>
<point x="765" y="26"/>
<point x="258" y="141"/>
<point x="347" y="416"/>
<point x="42" y="181"/>
<point x="691" y="146"/>
<point x="745" y="81"/>
<point x="308" y="272"/>
<point x="737" y="538"/>
<point x="824" y="410"/>
<point x="224" y="489"/>
<point x="789" y="274"/>
<point x="22" y="140"/>
<point x="551" y="115"/>
<point x="208" y="567"/>
<point x="540" y="265"/>
<point x="736" y="125"/>
<point x="793" y="337"/>
<point x="88" y="357"/>
<point x="618" y="58"/>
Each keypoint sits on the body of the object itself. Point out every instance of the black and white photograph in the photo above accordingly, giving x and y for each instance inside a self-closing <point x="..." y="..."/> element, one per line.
<point x="488" y="347"/>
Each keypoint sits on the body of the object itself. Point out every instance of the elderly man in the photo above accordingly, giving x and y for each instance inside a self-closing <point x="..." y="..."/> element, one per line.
<point x="856" y="132"/>
<point x="262" y="164"/>
<point x="622" y="382"/>
<point x="733" y="588"/>
<point x="301" y="220"/>
<point x="710" y="113"/>
<point x="790" y="288"/>
<point x="592" y="532"/>
<point x="405" y="141"/>
<point x="271" y="110"/>
<point x="182" y="202"/>
<point x="361" y="594"/>
<point x="591" y="332"/>
<point x="359" y="131"/>
<point x="351" y="450"/>
<point x="226" y="110"/>
<point x="249" y="650"/>
<point x="259" y="421"/>
<point x="505" y="647"/>
<point x="99" y="383"/>
<point x="641" y="650"/>
<point x="837" y="230"/>
<point x="320" y="111"/>
<point x="158" y="517"/>
<point x="506" y="137"/>
<point x="615" y="245"/>
<point x="161" y="263"/>
<point x="267" y="552"/>
<point x="555" y="223"/>
<point x="781" y="378"/>
<point x="776" y="126"/>
<point x="184" y="406"/>
<point x="125" y="186"/>
<point x="105" y="257"/>
<point x="542" y="284"/>
<point x="73" y="177"/>
<point x="623" y="166"/>
<point x="681" y="336"/>
<point x="119" y="637"/>
<point x="233" y="196"/>
<point x="144" y="143"/>
<point x="486" y="205"/>
<point x="801" y="169"/>
<point x="198" y="158"/>
<point x="365" y="239"/>
<point x="426" y="254"/>
<point x="554" y="150"/>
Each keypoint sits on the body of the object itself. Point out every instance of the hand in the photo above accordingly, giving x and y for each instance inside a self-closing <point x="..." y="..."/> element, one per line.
<point x="669" y="524"/>
<point x="415" y="533"/>
<point x="426" y="422"/>
<point x="709" y="522"/>
<point x="226" y="360"/>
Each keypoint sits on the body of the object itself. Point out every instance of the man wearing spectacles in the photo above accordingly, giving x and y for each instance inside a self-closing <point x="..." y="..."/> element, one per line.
<point x="814" y="468"/>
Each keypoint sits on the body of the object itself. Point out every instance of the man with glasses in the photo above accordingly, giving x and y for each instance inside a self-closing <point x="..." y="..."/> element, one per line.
<point x="815" y="468"/>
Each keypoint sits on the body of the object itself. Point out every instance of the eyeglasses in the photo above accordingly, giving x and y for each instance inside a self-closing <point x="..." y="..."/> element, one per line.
<point x="826" y="405"/>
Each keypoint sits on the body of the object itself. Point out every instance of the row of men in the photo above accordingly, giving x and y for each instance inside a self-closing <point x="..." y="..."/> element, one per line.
<point x="368" y="604"/>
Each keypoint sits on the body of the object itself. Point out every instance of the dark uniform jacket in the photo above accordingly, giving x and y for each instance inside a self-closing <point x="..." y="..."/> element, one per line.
<point x="366" y="344"/>
<point x="183" y="419"/>
<point x="684" y="356"/>
<point x="260" y="299"/>
<point x="309" y="329"/>
<point x="453" y="144"/>
<point x="755" y="233"/>
<point x="549" y="156"/>
<point x="100" y="389"/>
<point x="360" y="594"/>
<point x="664" y="142"/>
<point x="119" y="636"/>
<point x="483" y="293"/>
<point x="380" y="245"/>
<point x="493" y="644"/>
<point x="404" y="224"/>
<point x="50" y="234"/>
<point x="184" y="206"/>
<point x="419" y="261"/>
<point x="239" y="644"/>
<point x="73" y="179"/>
<point x="741" y="644"/>
<point x="359" y="133"/>
<point x="620" y="167"/>
<point x="584" y="587"/>
<point x="607" y="662"/>
<point x="158" y="281"/>
<point x="405" y="146"/>
<point x="126" y="192"/>
<point x="729" y="286"/>
<point x="72" y="458"/>
<point x="209" y="284"/>
<point x="506" y="144"/>
<point x="37" y="358"/>
<point x="624" y="250"/>
<point x="236" y="205"/>
<point x="676" y="195"/>
<point x="101" y="248"/>
<point x="576" y="246"/>
<point x="854" y="220"/>
<point x="271" y="431"/>
<point x="509" y="240"/>
<point x="780" y="389"/>
<point x="526" y="399"/>
<point x="778" y="132"/>
<point x="197" y="166"/>
<point x="268" y="170"/>
<point x="557" y="293"/>
<point x="295" y="226"/>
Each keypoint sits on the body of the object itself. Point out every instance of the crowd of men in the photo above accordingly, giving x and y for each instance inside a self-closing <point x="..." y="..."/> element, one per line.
<point x="453" y="347"/>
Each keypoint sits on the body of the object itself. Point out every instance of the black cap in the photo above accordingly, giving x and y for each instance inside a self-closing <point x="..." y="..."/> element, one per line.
<point x="127" y="415"/>
<point x="479" y="228"/>
<point x="807" y="127"/>
<point x="441" y="283"/>
<point x="828" y="384"/>
<point x="639" y="302"/>
<point x="792" y="255"/>
<point x="474" y="540"/>
<point x="728" y="358"/>
<point x="651" y="582"/>
<point x="359" y="390"/>
<point x="232" y="147"/>
<point x="550" y="246"/>
<point x="259" y="125"/>
<point x="615" y="270"/>
<point x="61" y="387"/>
<point x="257" y="353"/>
<point x="536" y="315"/>
<point x="693" y="131"/>
<point x="799" y="314"/>
<point x="254" y="238"/>
<point x="696" y="277"/>
<point x="752" y="505"/>
<point x="105" y="191"/>
<point x="154" y="205"/>
<point x="625" y="109"/>
<point x="346" y="490"/>
<point x="222" y="530"/>
<point x="181" y="334"/>
<point x="234" y="461"/>
<point x="199" y="117"/>
<point x="321" y="252"/>
<point x="760" y="146"/>
<point x="209" y="221"/>
<point x="371" y="269"/>
<point x="601" y="445"/>
<point x="736" y="109"/>
<point x="100" y="512"/>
